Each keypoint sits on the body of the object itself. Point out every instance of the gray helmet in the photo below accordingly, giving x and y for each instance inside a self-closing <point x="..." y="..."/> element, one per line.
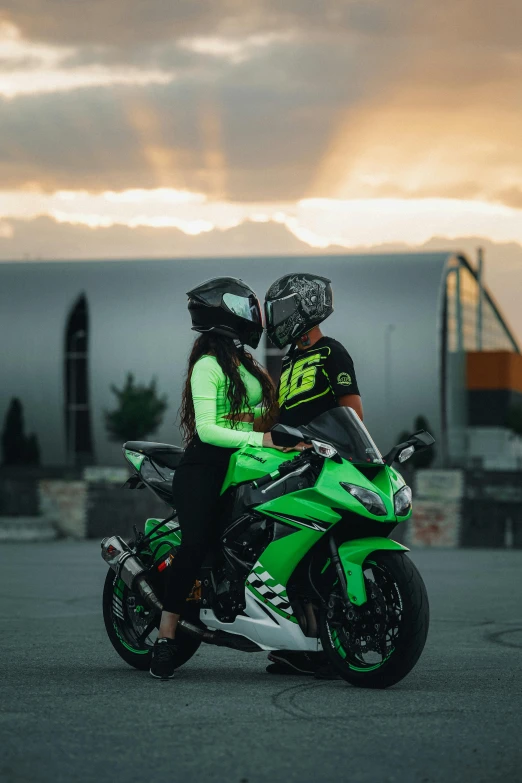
<point x="294" y="304"/>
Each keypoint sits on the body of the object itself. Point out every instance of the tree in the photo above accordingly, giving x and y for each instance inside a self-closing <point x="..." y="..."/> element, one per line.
<point x="422" y="459"/>
<point x="139" y="412"/>
<point x="17" y="447"/>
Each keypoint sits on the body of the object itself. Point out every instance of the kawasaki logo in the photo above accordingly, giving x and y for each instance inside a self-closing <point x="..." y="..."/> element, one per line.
<point x="253" y="456"/>
<point x="344" y="378"/>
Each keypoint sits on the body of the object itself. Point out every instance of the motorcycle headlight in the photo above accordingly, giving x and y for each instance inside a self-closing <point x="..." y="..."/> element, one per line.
<point x="402" y="502"/>
<point x="371" y="501"/>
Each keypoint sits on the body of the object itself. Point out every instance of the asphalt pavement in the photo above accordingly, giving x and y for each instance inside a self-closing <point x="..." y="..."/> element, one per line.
<point x="71" y="710"/>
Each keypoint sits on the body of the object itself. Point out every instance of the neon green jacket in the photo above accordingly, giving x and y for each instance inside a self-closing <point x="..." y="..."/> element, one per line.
<point x="211" y="406"/>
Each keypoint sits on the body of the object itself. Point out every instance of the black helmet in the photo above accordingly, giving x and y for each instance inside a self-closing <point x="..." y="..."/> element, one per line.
<point x="226" y="305"/>
<point x="295" y="303"/>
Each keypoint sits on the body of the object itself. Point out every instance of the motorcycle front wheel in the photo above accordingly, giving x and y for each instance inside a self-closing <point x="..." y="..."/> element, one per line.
<point x="133" y="628"/>
<point x="377" y="644"/>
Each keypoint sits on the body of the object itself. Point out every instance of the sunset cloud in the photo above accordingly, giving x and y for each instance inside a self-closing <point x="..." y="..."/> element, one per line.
<point x="320" y="223"/>
<point x="29" y="69"/>
<point x="349" y="122"/>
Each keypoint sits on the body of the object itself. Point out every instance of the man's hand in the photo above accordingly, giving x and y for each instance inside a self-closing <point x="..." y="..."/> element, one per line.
<point x="268" y="443"/>
<point x="298" y="447"/>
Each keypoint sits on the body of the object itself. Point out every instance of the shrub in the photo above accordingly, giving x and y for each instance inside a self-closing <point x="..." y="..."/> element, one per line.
<point x="17" y="447"/>
<point x="139" y="412"/>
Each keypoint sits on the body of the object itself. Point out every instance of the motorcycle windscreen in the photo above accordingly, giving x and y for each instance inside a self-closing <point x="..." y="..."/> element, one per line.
<point x="342" y="428"/>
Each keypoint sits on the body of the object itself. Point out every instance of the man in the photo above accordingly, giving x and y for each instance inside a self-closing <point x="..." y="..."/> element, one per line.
<point x="317" y="374"/>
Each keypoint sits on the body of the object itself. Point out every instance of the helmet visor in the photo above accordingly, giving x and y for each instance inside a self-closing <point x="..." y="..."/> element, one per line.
<point x="246" y="307"/>
<point x="279" y="310"/>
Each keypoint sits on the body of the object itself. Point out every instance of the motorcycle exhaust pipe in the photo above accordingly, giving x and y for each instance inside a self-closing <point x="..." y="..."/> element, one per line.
<point x="219" y="638"/>
<point x="196" y="631"/>
<point x="117" y="554"/>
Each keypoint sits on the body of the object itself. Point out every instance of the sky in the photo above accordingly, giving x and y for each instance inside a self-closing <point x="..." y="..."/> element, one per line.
<point x="342" y="124"/>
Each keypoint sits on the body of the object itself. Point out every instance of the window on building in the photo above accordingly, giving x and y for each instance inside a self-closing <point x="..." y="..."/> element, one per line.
<point x="462" y="292"/>
<point x="77" y="411"/>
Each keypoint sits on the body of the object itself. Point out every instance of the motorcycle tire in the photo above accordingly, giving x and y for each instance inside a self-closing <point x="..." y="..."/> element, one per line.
<point x="120" y="606"/>
<point x="392" y="625"/>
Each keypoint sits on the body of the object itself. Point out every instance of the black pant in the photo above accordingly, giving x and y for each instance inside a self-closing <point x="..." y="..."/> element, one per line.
<point x="196" y="489"/>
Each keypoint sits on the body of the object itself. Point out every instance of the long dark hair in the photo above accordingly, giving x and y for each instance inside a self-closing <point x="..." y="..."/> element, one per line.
<point x="229" y="356"/>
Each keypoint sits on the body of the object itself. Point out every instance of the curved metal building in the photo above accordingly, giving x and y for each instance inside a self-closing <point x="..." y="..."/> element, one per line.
<point x="69" y="330"/>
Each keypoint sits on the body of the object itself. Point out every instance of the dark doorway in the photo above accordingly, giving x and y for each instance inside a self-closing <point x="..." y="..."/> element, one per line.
<point x="77" y="411"/>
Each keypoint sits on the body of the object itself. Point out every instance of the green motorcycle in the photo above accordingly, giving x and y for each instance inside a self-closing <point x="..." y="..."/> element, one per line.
<point x="305" y="561"/>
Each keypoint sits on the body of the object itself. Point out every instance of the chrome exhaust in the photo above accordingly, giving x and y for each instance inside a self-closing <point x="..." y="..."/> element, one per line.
<point x="118" y="555"/>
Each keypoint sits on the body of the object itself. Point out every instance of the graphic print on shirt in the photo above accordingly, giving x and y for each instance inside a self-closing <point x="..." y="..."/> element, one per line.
<point x="299" y="377"/>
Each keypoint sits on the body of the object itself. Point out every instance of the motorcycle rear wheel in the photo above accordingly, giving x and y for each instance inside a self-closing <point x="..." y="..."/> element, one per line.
<point x="378" y="644"/>
<point x="125" y="628"/>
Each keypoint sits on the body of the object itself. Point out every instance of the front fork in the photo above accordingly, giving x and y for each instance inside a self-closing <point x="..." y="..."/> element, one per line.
<point x="336" y="560"/>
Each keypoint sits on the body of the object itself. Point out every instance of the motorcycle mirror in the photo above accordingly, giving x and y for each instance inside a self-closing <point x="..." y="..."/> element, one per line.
<point x="419" y="441"/>
<point x="282" y="435"/>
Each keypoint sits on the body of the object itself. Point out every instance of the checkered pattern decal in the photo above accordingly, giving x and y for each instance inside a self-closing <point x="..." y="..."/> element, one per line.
<point x="117" y="606"/>
<point x="260" y="580"/>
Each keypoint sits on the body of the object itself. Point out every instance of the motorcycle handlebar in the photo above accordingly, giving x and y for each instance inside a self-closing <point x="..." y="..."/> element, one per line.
<point x="260" y="482"/>
<point x="286" y="467"/>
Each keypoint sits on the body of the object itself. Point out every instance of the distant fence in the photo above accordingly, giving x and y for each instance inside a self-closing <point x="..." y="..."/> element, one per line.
<point x="456" y="508"/>
<point x="492" y="509"/>
<point x="451" y="508"/>
<point x="83" y="504"/>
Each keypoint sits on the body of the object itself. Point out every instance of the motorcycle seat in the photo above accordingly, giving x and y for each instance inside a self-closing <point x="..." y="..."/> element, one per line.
<point x="163" y="453"/>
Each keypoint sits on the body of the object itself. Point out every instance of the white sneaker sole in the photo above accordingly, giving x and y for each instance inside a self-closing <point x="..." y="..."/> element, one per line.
<point x="158" y="677"/>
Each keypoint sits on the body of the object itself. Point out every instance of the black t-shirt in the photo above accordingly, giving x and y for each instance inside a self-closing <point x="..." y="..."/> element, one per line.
<point x="313" y="379"/>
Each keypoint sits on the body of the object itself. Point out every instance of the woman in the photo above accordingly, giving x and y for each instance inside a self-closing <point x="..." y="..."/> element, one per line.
<point x="224" y="384"/>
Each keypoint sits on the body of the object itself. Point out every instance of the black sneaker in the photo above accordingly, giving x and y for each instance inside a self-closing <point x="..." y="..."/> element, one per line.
<point x="163" y="664"/>
<point x="292" y="662"/>
<point x="325" y="671"/>
<point x="306" y="664"/>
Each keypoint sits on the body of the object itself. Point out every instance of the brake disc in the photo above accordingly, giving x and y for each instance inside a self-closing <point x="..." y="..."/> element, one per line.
<point x="365" y="626"/>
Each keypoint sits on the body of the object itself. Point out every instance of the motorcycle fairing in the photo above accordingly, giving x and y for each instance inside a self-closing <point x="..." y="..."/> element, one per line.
<point x="353" y="554"/>
<point x="165" y="537"/>
<point x="312" y="512"/>
<point x="261" y="623"/>
<point x="250" y="463"/>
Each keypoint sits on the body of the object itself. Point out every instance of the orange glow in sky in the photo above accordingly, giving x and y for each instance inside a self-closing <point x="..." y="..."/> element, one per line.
<point x="348" y="130"/>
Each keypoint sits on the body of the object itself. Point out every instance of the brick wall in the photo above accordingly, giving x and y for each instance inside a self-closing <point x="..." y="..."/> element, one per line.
<point x="62" y="504"/>
<point x="437" y="501"/>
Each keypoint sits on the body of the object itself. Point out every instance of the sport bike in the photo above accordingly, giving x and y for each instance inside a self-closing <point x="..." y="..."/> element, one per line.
<point x="304" y="560"/>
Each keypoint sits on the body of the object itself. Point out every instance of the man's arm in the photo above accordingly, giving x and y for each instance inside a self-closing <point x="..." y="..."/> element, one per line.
<point x="352" y="401"/>
<point x="341" y="374"/>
